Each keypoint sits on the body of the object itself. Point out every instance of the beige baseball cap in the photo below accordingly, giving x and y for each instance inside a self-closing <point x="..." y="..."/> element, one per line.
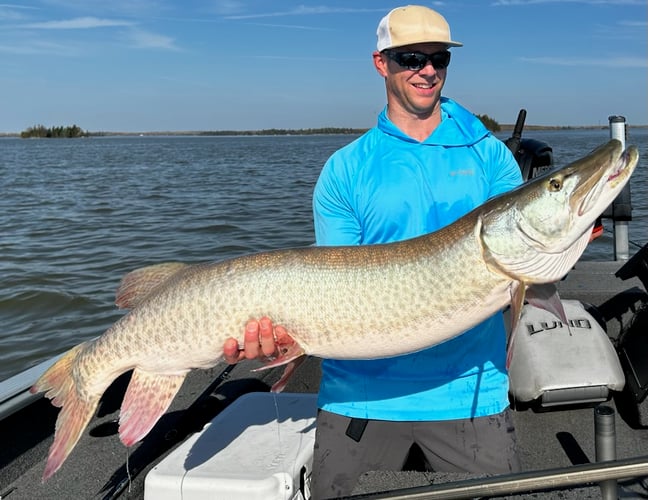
<point x="413" y="24"/>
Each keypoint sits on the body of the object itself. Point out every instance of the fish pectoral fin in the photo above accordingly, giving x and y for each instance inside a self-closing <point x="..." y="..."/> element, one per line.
<point x="287" y="353"/>
<point x="138" y="284"/>
<point x="546" y="297"/>
<point x="518" y="291"/>
<point x="147" y="398"/>
<point x="543" y="296"/>
<point x="292" y="355"/>
<point x="287" y="374"/>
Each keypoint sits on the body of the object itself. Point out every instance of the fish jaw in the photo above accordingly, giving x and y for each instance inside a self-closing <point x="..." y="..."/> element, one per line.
<point x="598" y="192"/>
<point x="538" y="232"/>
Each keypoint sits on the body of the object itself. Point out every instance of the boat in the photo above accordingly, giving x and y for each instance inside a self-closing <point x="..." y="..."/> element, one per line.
<point x="226" y="436"/>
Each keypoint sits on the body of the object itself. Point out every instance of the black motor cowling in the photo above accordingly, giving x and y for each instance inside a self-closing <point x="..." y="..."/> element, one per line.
<point x="534" y="157"/>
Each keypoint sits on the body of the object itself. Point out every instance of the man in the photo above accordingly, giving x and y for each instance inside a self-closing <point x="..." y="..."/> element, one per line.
<point x="426" y="163"/>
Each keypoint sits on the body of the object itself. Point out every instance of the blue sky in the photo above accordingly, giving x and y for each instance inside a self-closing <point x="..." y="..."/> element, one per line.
<point x="163" y="65"/>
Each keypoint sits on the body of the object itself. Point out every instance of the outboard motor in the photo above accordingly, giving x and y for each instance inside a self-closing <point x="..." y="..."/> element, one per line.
<point x="534" y="157"/>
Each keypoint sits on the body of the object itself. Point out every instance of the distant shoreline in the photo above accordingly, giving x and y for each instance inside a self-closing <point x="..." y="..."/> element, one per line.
<point x="328" y="130"/>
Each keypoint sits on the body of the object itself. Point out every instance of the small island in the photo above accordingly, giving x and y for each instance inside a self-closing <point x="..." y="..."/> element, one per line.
<point x="41" y="131"/>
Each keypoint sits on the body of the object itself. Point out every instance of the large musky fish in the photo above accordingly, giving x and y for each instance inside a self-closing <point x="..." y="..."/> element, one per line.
<point x="357" y="302"/>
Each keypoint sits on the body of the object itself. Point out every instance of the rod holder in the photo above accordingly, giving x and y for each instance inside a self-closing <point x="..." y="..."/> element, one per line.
<point x="605" y="446"/>
<point x="621" y="209"/>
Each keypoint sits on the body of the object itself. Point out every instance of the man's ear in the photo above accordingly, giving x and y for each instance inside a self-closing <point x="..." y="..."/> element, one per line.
<point x="380" y="63"/>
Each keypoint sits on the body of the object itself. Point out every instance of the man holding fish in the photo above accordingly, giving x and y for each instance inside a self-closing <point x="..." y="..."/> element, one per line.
<point x="362" y="305"/>
<point x="426" y="163"/>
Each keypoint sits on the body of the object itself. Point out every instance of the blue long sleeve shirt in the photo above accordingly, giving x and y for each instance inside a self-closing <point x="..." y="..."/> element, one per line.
<point x="384" y="187"/>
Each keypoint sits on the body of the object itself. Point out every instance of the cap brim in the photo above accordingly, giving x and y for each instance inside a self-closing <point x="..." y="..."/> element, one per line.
<point x="444" y="42"/>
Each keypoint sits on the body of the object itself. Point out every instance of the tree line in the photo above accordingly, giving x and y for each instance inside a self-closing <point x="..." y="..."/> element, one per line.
<point x="284" y="131"/>
<point x="53" y="132"/>
<point x="72" y="131"/>
<point x="489" y="123"/>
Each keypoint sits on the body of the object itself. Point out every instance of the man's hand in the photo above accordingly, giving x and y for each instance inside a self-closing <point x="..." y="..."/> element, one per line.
<point x="261" y="341"/>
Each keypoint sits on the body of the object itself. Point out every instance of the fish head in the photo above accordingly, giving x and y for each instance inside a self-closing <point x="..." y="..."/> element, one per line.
<point x="538" y="231"/>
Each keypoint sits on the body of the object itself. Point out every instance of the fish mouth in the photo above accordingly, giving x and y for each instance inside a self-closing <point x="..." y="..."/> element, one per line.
<point x="610" y="178"/>
<point x="620" y="166"/>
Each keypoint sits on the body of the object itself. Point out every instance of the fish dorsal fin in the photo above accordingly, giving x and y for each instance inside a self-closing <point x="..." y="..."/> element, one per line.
<point x="138" y="284"/>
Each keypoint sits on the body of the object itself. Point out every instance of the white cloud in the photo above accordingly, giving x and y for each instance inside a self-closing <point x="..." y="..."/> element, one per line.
<point x="634" y="24"/>
<point x="146" y="40"/>
<point x="291" y="26"/>
<point x="78" y="23"/>
<point x="227" y="7"/>
<point x="40" y="47"/>
<point x="304" y="10"/>
<point x="507" y="3"/>
<point x="607" y="62"/>
<point x="12" y="12"/>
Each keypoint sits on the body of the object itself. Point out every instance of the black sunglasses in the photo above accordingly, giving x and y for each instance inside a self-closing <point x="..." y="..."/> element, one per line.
<point x="417" y="60"/>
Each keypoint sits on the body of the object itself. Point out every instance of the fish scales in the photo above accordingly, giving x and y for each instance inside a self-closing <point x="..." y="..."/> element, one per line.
<point x="330" y="305"/>
<point x="358" y="302"/>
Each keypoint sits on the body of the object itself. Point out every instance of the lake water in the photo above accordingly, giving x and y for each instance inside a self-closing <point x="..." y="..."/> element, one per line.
<point x="76" y="215"/>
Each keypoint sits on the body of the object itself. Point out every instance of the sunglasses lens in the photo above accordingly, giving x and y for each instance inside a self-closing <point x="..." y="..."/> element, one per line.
<point x="440" y="60"/>
<point x="416" y="61"/>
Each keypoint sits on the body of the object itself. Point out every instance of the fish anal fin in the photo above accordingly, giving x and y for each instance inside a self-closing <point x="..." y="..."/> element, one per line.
<point x="138" y="284"/>
<point x="75" y="412"/>
<point x="147" y="398"/>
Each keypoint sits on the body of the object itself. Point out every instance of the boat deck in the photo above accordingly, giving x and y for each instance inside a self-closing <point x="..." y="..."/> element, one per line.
<point x="101" y="467"/>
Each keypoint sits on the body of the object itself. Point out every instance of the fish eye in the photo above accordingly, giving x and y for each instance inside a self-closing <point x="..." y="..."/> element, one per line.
<point x="555" y="184"/>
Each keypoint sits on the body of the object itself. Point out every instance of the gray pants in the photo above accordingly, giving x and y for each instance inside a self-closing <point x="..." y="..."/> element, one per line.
<point x="345" y="448"/>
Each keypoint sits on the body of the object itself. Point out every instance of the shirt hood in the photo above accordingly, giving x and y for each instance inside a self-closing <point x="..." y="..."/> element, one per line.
<point x="458" y="127"/>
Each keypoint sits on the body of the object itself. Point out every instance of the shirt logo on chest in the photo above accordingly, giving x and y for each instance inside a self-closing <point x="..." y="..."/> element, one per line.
<point x="464" y="172"/>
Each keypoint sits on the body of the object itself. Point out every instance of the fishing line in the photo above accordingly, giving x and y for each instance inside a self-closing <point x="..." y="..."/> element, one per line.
<point x="128" y="474"/>
<point x="276" y="404"/>
<point x="280" y="454"/>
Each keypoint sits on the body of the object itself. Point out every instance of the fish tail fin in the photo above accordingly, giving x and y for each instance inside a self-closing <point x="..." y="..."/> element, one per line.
<point x="59" y="386"/>
<point x="148" y="396"/>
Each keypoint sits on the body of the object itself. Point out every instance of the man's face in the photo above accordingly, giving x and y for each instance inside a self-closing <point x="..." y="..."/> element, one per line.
<point x="416" y="92"/>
